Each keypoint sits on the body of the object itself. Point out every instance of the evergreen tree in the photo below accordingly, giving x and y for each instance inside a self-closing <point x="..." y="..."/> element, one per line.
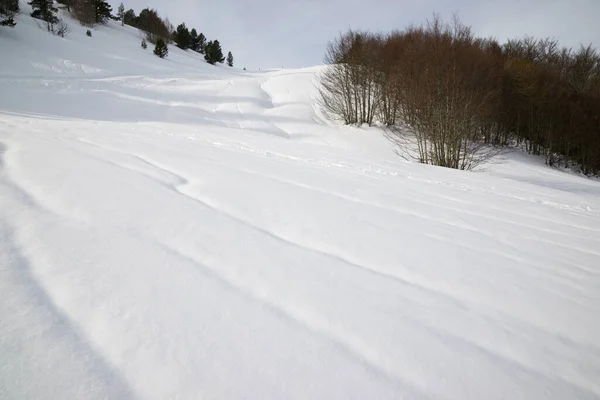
<point x="201" y="43"/>
<point x="44" y="10"/>
<point x="7" y="20"/>
<point x="121" y="13"/>
<point x="207" y="51"/>
<point x="161" y="48"/>
<point x="103" y="10"/>
<point x="182" y="37"/>
<point x="8" y="9"/>
<point x="198" y="41"/>
<point x="130" y="18"/>
<point x="194" y="37"/>
<point x="230" y="59"/>
<point x="213" y="52"/>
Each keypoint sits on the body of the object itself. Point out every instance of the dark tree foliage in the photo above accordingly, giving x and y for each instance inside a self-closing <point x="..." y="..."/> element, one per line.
<point x="102" y="11"/>
<point x="208" y="52"/>
<point x="66" y="3"/>
<point x="44" y="10"/>
<point x="130" y="18"/>
<point x="182" y="37"/>
<point x="154" y="26"/>
<point x="8" y="9"/>
<point x="200" y="43"/>
<point x="213" y="53"/>
<point x="551" y="101"/>
<point x="230" y="59"/>
<point x="194" y="39"/>
<point x="161" y="48"/>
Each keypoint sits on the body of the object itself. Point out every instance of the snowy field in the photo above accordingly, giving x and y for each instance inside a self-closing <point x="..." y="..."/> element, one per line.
<point x="174" y="230"/>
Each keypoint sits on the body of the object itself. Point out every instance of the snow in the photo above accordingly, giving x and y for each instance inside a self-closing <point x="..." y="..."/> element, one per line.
<point x="175" y="230"/>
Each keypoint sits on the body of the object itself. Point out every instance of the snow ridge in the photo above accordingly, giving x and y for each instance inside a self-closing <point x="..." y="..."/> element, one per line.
<point x="170" y="229"/>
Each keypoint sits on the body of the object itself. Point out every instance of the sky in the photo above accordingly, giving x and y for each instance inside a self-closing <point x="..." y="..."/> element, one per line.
<point x="294" y="33"/>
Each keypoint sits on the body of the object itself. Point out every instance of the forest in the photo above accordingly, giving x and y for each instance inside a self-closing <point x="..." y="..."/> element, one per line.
<point x="458" y="99"/>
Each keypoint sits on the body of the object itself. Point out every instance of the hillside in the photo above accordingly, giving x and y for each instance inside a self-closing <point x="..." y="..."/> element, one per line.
<point x="171" y="229"/>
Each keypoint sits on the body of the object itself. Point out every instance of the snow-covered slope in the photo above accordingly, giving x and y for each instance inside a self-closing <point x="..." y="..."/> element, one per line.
<point x="174" y="230"/>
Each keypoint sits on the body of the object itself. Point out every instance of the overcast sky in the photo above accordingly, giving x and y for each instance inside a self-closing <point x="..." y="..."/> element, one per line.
<point x="294" y="33"/>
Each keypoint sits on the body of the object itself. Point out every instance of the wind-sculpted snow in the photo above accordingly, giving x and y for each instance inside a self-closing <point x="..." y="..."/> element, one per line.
<point x="170" y="229"/>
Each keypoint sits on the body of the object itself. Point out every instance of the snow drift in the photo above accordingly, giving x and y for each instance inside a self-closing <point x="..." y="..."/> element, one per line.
<point x="170" y="229"/>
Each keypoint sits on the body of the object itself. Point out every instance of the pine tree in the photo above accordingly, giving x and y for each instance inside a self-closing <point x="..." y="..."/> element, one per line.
<point x="44" y="10"/>
<point x="198" y="41"/>
<point x="182" y="37"/>
<point x="121" y="13"/>
<point x="213" y="52"/>
<point x="161" y="48"/>
<point x="130" y="18"/>
<point x="201" y="43"/>
<point x="8" y="9"/>
<point x="7" y="20"/>
<point x="103" y="10"/>
<point x="207" y="51"/>
<point x="194" y="37"/>
<point x="230" y="59"/>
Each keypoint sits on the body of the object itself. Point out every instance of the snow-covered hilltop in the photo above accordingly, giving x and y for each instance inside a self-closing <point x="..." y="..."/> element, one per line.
<point x="171" y="229"/>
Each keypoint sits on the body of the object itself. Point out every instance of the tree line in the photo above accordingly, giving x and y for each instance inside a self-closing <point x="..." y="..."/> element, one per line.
<point x="449" y="98"/>
<point x="157" y="28"/>
<point x="158" y="31"/>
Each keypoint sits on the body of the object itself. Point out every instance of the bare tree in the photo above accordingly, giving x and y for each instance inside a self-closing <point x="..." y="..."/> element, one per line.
<point x="62" y="28"/>
<point x="153" y="25"/>
<point x="349" y="88"/>
<point x="451" y="99"/>
<point x="444" y="96"/>
<point x="121" y="13"/>
<point x="85" y="12"/>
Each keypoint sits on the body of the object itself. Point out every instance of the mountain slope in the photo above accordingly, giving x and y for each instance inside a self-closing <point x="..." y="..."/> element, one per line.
<point x="170" y="229"/>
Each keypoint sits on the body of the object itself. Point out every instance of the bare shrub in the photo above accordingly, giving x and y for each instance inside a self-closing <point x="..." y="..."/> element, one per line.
<point x="349" y="88"/>
<point x="62" y="29"/>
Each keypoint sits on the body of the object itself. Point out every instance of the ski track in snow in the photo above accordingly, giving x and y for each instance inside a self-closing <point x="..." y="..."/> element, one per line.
<point x="178" y="230"/>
